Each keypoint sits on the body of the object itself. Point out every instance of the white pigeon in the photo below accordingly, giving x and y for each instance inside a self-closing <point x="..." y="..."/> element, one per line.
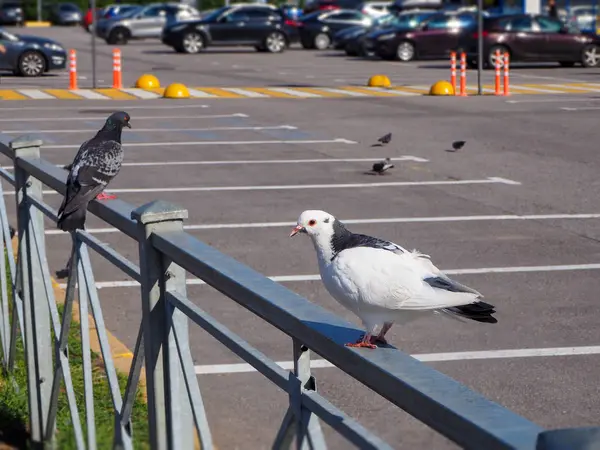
<point x="383" y="283"/>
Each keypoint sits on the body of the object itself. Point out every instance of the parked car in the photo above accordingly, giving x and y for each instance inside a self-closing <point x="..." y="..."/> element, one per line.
<point x="328" y="5"/>
<point x="144" y="22"/>
<point x="65" y="14"/>
<point x="584" y="17"/>
<point x="357" y="44"/>
<point x="375" y="9"/>
<point x="31" y="56"/>
<point x="261" y="26"/>
<point x="434" y="38"/>
<point x="317" y="29"/>
<point x="11" y="13"/>
<point x="117" y="9"/>
<point x="532" y="38"/>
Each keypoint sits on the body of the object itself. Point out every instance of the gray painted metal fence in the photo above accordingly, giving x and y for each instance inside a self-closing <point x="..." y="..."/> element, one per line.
<point x="175" y="406"/>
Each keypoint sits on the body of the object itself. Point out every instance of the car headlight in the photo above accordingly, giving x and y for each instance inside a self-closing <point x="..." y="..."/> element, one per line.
<point x="54" y="47"/>
<point x="385" y="37"/>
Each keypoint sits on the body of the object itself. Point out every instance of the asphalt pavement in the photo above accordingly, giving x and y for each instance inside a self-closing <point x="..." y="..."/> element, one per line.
<point x="513" y="214"/>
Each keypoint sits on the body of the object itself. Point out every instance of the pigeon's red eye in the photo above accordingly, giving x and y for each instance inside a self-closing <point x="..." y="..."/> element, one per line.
<point x="312" y="222"/>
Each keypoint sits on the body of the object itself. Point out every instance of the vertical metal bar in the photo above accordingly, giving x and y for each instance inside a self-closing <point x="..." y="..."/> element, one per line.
<point x="163" y="386"/>
<point x="111" y="372"/>
<point x="285" y="435"/>
<point x="36" y="314"/>
<point x="133" y="381"/>
<point x="88" y="383"/>
<point x="4" y="312"/>
<point x="93" y="33"/>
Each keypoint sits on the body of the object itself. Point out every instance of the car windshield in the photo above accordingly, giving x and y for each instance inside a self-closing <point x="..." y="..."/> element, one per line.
<point x="213" y="15"/>
<point x="68" y="7"/>
<point x="130" y="13"/>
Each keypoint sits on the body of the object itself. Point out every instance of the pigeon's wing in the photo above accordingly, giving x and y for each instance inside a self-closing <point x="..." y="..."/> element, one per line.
<point x="83" y="188"/>
<point x="373" y="242"/>
<point x="377" y="167"/>
<point x="444" y="282"/>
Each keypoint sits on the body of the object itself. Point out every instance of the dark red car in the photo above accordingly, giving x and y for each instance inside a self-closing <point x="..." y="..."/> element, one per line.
<point x="532" y="38"/>
<point x="434" y="38"/>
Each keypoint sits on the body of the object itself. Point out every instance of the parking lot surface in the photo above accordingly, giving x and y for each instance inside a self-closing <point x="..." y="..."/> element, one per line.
<point x="513" y="214"/>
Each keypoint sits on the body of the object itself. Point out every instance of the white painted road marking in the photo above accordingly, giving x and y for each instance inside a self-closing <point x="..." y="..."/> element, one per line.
<point x="141" y="93"/>
<point x="218" y="226"/>
<point x="299" y="186"/>
<point x="89" y="94"/>
<point x="36" y="94"/>
<point x="317" y="277"/>
<point x="194" y="143"/>
<point x="258" y="161"/>
<point x="141" y="130"/>
<point x="295" y="93"/>
<point x="246" y="93"/>
<point x="423" y="357"/>
<point x="200" y="94"/>
<point x="584" y="108"/>
<point x="58" y="119"/>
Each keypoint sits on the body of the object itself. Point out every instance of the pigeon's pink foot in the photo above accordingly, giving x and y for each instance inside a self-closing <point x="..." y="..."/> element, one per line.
<point x="361" y="344"/>
<point x="105" y="196"/>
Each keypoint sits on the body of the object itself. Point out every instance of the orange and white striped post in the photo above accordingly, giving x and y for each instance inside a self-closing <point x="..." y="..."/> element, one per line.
<point x="463" y="74"/>
<point x="72" y="69"/>
<point x="453" y="70"/>
<point x="117" y="80"/>
<point x="506" y="88"/>
<point x="497" y="64"/>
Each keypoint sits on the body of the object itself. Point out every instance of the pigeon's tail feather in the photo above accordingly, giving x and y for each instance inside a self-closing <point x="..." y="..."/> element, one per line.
<point x="478" y="311"/>
<point x="73" y="220"/>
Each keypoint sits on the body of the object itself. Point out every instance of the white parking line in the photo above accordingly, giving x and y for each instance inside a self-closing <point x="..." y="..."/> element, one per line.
<point x="158" y="130"/>
<point x="317" y="277"/>
<point x="554" y="100"/>
<point x="246" y="93"/>
<point x="258" y="161"/>
<point x="295" y="93"/>
<point x="423" y="357"/>
<point x="90" y="107"/>
<point x="345" y="93"/>
<point x="59" y="119"/>
<point x="36" y="94"/>
<point x="200" y="94"/>
<point x="589" y="108"/>
<point x="219" y="226"/>
<point x="390" y="91"/>
<point x="490" y="180"/>
<point x="141" y="93"/>
<point x="195" y="143"/>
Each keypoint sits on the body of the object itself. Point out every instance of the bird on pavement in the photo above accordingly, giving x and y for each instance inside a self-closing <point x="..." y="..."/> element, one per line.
<point x="97" y="162"/>
<point x="382" y="166"/>
<point x="383" y="140"/>
<point x="456" y="145"/>
<point x="383" y="283"/>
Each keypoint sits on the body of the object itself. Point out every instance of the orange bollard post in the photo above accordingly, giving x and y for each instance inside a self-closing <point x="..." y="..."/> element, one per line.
<point x="506" y="88"/>
<point x="117" y="80"/>
<point x="72" y="70"/>
<point x="463" y="75"/>
<point x="453" y="70"/>
<point x="497" y="64"/>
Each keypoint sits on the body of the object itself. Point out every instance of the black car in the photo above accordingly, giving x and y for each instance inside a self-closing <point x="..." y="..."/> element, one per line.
<point x="354" y="44"/>
<point x="531" y="38"/>
<point x="30" y="56"/>
<point x="11" y="13"/>
<point x="317" y="29"/>
<point x="262" y="26"/>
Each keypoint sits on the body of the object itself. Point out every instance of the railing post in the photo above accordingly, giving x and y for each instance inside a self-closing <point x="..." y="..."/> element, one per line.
<point x="169" y="411"/>
<point x="584" y="438"/>
<point x="38" y="345"/>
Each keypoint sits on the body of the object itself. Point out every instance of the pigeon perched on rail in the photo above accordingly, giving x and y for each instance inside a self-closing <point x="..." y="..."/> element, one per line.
<point x="383" y="283"/>
<point x="382" y="166"/>
<point x="97" y="162"/>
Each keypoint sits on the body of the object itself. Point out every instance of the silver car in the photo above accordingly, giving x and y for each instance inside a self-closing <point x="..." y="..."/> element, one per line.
<point x="143" y="22"/>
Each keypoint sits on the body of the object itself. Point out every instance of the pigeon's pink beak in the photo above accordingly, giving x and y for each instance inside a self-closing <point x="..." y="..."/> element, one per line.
<point x="296" y="230"/>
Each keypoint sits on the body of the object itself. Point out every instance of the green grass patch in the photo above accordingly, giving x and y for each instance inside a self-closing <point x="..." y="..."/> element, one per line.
<point x="14" y="406"/>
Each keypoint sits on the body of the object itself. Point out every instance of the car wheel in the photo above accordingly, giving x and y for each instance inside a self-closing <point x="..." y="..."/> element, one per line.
<point x="590" y="57"/>
<point x="192" y="42"/>
<point x="118" y="36"/>
<point x="490" y="63"/>
<point x="275" y="42"/>
<point x="31" y="64"/>
<point x="322" y="41"/>
<point x="405" y="51"/>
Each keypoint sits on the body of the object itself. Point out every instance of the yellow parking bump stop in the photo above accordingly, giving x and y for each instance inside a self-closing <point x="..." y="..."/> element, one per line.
<point x="147" y="81"/>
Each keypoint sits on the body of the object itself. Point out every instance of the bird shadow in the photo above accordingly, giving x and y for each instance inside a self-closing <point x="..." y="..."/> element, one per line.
<point x="376" y="145"/>
<point x="343" y="335"/>
<point x="62" y="273"/>
<point x="449" y="150"/>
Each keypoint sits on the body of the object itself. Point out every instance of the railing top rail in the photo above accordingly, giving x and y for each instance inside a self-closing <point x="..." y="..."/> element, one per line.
<point x="449" y="407"/>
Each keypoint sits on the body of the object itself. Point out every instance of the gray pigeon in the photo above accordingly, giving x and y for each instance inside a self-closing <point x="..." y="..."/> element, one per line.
<point x="97" y="162"/>
<point x="382" y="166"/>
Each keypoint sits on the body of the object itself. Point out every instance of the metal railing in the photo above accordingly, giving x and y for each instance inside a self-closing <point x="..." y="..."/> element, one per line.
<point x="175" y="406"/>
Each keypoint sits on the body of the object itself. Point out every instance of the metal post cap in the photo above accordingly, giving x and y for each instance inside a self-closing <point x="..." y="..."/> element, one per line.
<point x="25" y="141"/>
<point x="159" y="211"/>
